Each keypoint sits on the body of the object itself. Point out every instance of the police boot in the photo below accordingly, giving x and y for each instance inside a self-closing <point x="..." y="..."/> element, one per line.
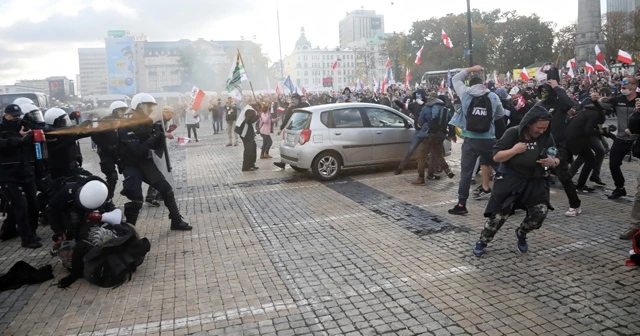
<point x="131" y="213"/>
<point x="177" y="223"/>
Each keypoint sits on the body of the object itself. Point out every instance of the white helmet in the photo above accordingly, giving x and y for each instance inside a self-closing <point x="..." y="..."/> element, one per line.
<point x="93" y="194"/>
<point x="57" y="117"/>
<point x="117" y="105"/>
<point x="23" y="100"/>
<point x="142" y="98"/>
<point x="31" y="112"/>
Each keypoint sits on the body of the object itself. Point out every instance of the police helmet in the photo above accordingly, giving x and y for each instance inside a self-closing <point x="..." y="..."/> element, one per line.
<point x="117" y="108"/>
<point x="32" y="113"/>
<point x="23" y="100"/>
<point x="57" y="117"/>
<point x="92" y="194"/>
<point x="142" y="98"/>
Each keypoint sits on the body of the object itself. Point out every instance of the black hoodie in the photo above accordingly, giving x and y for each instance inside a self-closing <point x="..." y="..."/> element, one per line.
<point x="525" y="164"/>
<point x="558" y="104"/>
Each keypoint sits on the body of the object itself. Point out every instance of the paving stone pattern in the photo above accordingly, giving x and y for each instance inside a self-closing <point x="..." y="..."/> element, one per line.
<point x="276" y="252"/>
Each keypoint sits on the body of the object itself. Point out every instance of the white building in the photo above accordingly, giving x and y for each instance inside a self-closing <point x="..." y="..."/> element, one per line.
<point x="360" y="24"/>
<point x="370" y="59"/>
<point x="40" y="85"/>
<point x="308" y="66"/>
<point x="622" y="5"/>
<point x="93" y="71"/>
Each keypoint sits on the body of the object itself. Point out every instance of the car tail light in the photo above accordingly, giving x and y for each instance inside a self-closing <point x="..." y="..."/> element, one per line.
<point x="305" y="136"/>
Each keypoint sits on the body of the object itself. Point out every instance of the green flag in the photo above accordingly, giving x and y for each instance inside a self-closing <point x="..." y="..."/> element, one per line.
<point x="236" y="77"/>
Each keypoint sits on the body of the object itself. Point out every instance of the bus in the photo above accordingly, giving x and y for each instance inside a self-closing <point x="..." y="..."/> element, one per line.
<point x="431" y="78"/>
<point x="41" y="100"/>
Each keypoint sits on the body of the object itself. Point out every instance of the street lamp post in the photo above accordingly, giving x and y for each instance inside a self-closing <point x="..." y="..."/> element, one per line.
<point x="469" y="33"/>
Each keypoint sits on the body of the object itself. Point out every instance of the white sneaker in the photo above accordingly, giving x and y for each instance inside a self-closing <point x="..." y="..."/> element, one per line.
<point x="573" y="212"/>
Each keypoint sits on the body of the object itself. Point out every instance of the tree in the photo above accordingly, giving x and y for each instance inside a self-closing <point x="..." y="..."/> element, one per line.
<point x="617" y="28"/>
<point x="365" y="63"/>
<point x="565" y="42"/>
<point x="523" y="40"/>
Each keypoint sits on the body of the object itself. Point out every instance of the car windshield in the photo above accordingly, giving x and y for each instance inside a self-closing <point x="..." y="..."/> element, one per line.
<point x="299" y="121"/>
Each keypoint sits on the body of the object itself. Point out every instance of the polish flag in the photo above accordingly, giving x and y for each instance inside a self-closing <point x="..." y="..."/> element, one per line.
<point x="278" y="92"/>
<point x="442" y="84"/>
<point x="407" y="78"/>
<point x="197" y="95"/>
<point x="446" y="40"/>
<point x="571" y="63"/>
<point x="524" y="74"/>
<point x="571" y="74"/>
<point x="599" y="54"/>
<point x="419" y="55"/>
<point x="335" y="64"/>
<point x="624" y="57"/>
<point x="183" y="140"/>
<point x="388" y="64"/>
<point x="601" y="67"/>
<point x="588" y="68"/>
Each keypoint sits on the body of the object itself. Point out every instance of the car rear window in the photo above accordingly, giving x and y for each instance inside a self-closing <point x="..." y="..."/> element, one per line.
<point x="299" y="121"/>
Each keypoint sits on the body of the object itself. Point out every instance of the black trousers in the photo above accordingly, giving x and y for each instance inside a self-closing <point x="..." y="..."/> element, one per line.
<point x="192" y="127"/>
<point x="619" y="150"/>
<point x="24" y="207"/>
<point x="249" y="154"/>
<point x="562" y="172"/>
<point x="108" y="168"/>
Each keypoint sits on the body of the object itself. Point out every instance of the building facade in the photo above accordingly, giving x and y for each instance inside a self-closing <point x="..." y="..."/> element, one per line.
<point x="622" y="5"/>
<point x="92" y="79"/>
<point x="360" y="24"/>
<point x="40" y="85"/>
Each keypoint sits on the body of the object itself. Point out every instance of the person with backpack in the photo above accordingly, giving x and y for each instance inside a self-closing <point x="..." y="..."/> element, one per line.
<point x="476" y="119"/>
<point x="434" y="128"/>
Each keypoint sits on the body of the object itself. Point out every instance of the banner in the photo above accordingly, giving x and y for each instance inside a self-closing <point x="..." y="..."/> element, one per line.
<point x="121" y="65"/>
<point x="57" y="89"/>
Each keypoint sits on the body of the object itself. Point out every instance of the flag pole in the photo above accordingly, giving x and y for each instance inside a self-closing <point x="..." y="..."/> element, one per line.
<point x="245" y="69"/>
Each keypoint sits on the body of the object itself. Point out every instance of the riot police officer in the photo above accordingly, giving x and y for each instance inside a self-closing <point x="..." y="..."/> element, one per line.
<point x="17" y="174"/>
<point x="138" y="137"/>
<point x="106" y="137"/>
<point x="62" y="137"/>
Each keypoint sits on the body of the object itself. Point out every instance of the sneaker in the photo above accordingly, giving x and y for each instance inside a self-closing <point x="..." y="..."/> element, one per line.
<point x="573" y="212"/>
<point x="482" y="194"/>
<point x="627" y="235"/>
<point x="450" y="174"/>
<point x="228" y="145"/>
<point x="585" y="189"/>
<point x="597" y="180"/>
<point x="419" y="181"/>
<point x="617" y="193"/>
<point x="478" y="251"/>
<point x="433" y="177"/>
<point x="522" y="241"/>
<point x="280" y="165"/>
<point x="180" y="225"/>
<point x="458" y="210"/>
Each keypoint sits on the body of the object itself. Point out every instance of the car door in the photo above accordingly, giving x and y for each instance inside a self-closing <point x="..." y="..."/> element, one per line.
<point x="347" y="131"/>
<point x="391" y="137"/>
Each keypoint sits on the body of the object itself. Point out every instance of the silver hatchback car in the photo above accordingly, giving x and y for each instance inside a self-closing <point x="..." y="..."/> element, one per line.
<point x="326" y="138"/>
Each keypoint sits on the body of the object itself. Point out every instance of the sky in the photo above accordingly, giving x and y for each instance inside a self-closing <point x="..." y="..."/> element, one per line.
<point x="40" y="38"/>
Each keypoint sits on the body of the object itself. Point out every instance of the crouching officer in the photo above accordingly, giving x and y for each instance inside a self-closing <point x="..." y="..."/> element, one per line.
<point x="106" y="137"/>
<point x="17" y="174"/>
<point x="138" y="137"/>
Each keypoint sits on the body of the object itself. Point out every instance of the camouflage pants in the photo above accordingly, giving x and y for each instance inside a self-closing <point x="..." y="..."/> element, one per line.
<point x="533" y="221"/>
<point x="423" y="157"/>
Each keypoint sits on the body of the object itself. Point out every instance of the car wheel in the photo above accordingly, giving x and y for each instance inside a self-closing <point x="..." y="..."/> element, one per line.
<point x="299" y="170"/>
<point x="326" y="166"/>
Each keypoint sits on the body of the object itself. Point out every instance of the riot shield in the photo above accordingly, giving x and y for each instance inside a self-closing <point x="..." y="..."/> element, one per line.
<point x="161" y="156"/>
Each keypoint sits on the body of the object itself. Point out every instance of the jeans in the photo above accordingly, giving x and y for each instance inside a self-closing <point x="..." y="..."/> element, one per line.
<point x="217" y="125"/>
<point x="192" y="127"/>
<point x="415" y="143"/>
<point x="619" y="150"/>
<point x="231" y="125"/>
<point x="266" y="143"/>
<point x="471" y="150"/>
<point x="598" y="148"/>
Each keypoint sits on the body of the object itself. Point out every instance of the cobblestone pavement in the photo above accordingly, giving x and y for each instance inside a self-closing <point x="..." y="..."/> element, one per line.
<point x="277" y="253"/>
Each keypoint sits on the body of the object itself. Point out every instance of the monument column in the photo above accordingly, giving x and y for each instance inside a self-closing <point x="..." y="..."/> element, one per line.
<point x="589" y="31"/>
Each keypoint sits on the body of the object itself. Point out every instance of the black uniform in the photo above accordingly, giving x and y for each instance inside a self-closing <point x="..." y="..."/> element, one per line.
<point x="65" y="151"/>
<point x="135" y="144"/>
<point x="17" y="179"/>
<point x="107" y="142"/>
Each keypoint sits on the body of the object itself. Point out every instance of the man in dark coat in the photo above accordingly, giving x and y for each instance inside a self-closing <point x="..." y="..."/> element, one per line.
<point x="525" y="154"/>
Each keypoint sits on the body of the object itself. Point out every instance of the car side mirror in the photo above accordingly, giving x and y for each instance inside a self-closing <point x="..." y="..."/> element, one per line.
<point x="408" y="125"/>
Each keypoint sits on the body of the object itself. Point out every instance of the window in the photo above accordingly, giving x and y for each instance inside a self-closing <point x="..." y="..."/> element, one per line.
<point x="299" y="121"/>
<point x="347" y="118"/>
<point x="383" y="118"/>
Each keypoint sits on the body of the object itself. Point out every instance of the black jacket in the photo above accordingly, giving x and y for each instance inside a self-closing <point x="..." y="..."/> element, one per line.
<point x="583" y="126"/>
<point x="106" y="140"/>
<point x="558" y="104"/>
<point x="289" y="112"/>
<point x="17" y="154"/>
<point x="64" y="151"/>
<point x="136" y="141"/>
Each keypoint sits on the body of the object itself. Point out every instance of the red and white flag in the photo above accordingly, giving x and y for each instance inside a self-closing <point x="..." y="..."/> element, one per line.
<point x="388" y="64"/>
<point x="278" y="92"/>
<point x="197" y="96"/>
<point x="571" y="63"/>
<point x="524" y="74"/>
<point x="588" y="68"/>
<point x="599" y="54"/>
<point x="335" y="64"/>
<point x="442" y="84"/>
<point x="407" y="78"/>
<point x="624" y="57"/>
<point x="601" y="67"/>
<point x="571" y="74"/>
<point x="419" y="56"/>
<point x="446" y="40"/>
<point x="183" y="140"/>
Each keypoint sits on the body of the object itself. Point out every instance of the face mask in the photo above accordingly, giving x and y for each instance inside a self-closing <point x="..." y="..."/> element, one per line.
<point x="625" y="92"/>
<point x="544" y="96"/>
<point x="11" y="124"/>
